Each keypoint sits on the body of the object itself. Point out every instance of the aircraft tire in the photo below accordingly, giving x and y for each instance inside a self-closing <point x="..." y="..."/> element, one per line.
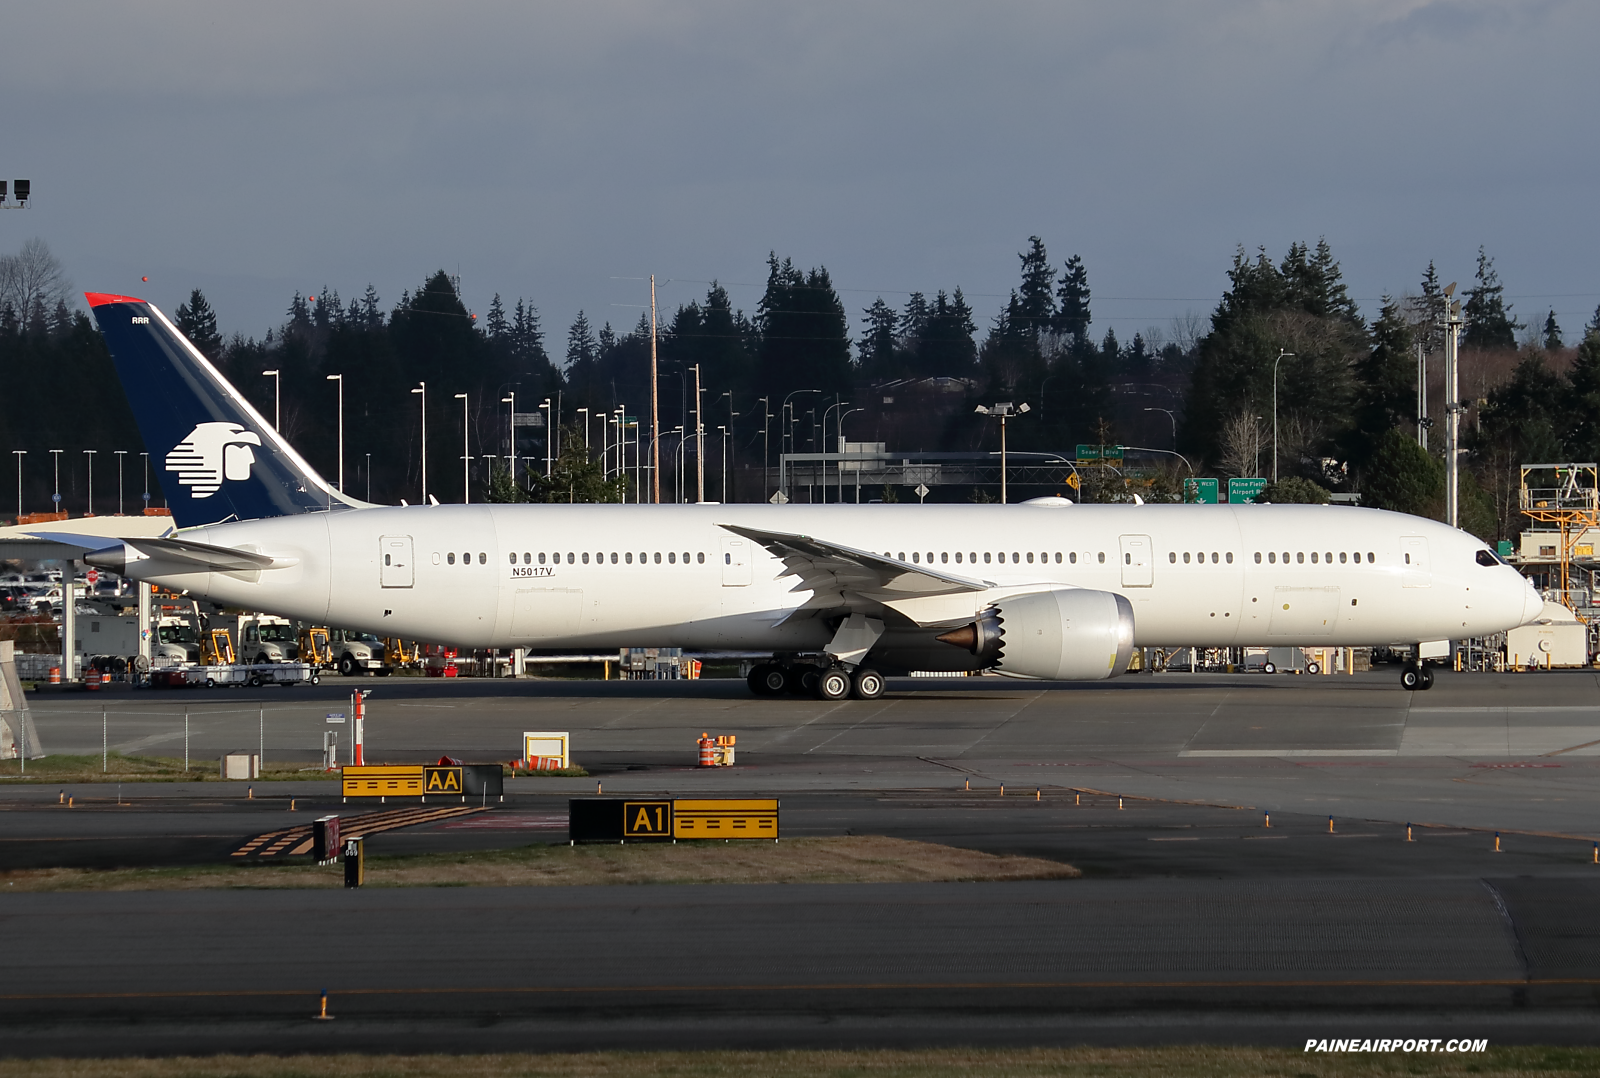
<point x="833" y="683"/>
<point x="802" y="679"/>
<point x="767" y="679"/>
<point x="1427" y="678"/>
<point x="1411" y="678"/>
<point x="866" y="684"/>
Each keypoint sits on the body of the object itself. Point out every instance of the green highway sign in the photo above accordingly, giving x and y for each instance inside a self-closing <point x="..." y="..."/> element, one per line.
<point x="1099" y="452"/>
<point x="1200" y="491"/>
<point x="1244" y="491"/>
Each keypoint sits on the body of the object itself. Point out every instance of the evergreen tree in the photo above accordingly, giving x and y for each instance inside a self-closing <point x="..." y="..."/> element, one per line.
<point x="198" y="322"/>
<point x="1386" y="384"/>
<point x="915" y="320"/>
<point x="804" y="333"/>
<point x="496" y="325"/>
<point x="1072" y="301"/>
<point x="527" y="337"/>
<point x="1552" y="333"/>
<point x="371" y="309"/>
<point x="1427" y="312"/>
<point x="299" y="313"/>
<point x="1036" y="306"/>
<point x="1594" y="323"/>
<point x="945" y="348"/>
<point x="582" y="348"/>
<point x="1403" y="478"/>
<point x="1582" y="436"/>
<point x="877" y="346"/>
<point x="1489" y="321"/>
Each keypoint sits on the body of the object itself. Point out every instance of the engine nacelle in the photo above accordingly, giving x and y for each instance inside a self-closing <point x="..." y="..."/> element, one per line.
<point x="1069" y="634"/>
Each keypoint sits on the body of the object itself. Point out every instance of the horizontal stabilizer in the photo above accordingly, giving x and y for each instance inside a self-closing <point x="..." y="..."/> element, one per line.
<point x="185" y="553"/>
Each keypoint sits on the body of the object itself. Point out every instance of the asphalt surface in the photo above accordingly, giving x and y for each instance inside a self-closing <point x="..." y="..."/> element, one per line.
<point x="1196" y="920"/>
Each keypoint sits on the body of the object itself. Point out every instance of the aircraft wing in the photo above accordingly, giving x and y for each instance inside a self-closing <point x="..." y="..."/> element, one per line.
<point x="844" y="578"/>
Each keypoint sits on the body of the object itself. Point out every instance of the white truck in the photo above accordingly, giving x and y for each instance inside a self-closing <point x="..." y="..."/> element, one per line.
<point x="356" y="652"/>
<point x="261" y="638"/>
<point x="110" y="642"/>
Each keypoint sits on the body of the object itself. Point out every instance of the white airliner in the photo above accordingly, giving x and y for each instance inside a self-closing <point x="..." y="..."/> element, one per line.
<point x="839" y="595"/>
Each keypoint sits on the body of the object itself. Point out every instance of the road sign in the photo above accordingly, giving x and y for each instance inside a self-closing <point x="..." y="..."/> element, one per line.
<point x="780" y="498"/>
<point x="93" y="577"/>
<point x="647" y="819"/>
<point x="1099" y="452"/>
<point x="922" y="490"/>
<point x="441" y="780"/>
<point x="335" y="716"/>
<point x="1244" y="491"/>
<point x="1200" y="491"/>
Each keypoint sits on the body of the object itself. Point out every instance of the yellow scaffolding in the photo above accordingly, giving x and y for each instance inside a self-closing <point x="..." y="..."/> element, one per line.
<point x="1572" y="504"/>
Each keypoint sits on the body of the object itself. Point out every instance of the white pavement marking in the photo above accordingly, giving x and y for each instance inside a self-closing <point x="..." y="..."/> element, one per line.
<point x="1289" y="752"/>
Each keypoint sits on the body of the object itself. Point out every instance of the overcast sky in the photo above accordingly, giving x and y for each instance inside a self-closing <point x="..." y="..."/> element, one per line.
<point x="557" y="152"/>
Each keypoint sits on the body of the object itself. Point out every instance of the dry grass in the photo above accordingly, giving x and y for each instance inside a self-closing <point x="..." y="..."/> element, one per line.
<point x="852" y="859"/>
<point x="119" y="768"/>
<point x="1189" y="1062"/>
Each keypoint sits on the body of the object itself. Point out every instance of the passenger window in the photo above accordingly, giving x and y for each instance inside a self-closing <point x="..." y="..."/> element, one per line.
<point x="1272" y="556"/>
<point x="973" y="557"/>
<point x="1341" y="557"/>
<point x="1300" y="557"/>
<point x="1030" y="557"/>
<point x="672" y="557"/>
<point x="586" y="557"/>
<point x="450" y="557"/>
<point x="1058" y="557"/>
<point x="1186" y="557"/>
<point x="613" y="558"/>
<point x="1127" y="559"/>
<point x="483" y="558"/>
<point x="686" y="557"/>
<point x="902" y="556"/>
<point x="1408" y="559"/>
<point x="527" y="558"/>
<point x="930" y="557"/>
<point x="1286" y="557"/>
<point x="1016" y="559"/>
<point x="658" y="557"/>
<point x="628" y="557"/>
<point x="1172" y="556"/>
<point x="958" y="557"/>
<point x="915" y="557"/>
<point x="1213" y="557"/>
<point x="986" y="557"/>
<point x="571" y="558"/>
<point x="1102" y="557"/>
<point x="513" y="557"/>
<point x="1313" y="557"/>
<point x="1229" y="556"/>
<point x="541" y="557"/>
<point x="943" y="557"/>
<point x="1328" y="557"/>
<point x="727" y="559"/>
<point x="386" y="560"/>
<point x="1258" y="557"/>
<point x="1073" y="557"/>
<point x="1371" y="557"/>
<point x="700" y="558"/>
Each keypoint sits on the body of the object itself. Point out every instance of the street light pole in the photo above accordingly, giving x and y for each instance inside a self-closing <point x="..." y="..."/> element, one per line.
<point x="548" y="434"/>
<point x="699" y="441"/>
<point x="340" y="379"/>
<point x="422" y="391"/>
<point x="1281" y="356"/>
<point x="1174" y="423"/>
<point x="466" y="454"/>
<point x="511" y="453"/>
<point x="766" y="445"/>
<point x="1453" y="409"/>
<point x="277" y="398"/>
<point x="90" y="454"/>
<point x="55" y="456"/>
<point x="1002" y="412"/>
<point x="655" y="404"/>
<point x="120" y="454"/>
<point x="146" y="457"/>
<point x="19" y="454"/>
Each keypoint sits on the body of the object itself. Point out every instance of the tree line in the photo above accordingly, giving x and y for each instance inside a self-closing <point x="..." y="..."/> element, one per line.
<point x="1203" y="394"/>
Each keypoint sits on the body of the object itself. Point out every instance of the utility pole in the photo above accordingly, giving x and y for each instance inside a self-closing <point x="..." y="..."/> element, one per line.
<point x="466" y="454"/>
<point x="655" y="405"/>
<point x="340" y="379"/>
<point x="699" y="442"/>
<point x="120" y="454"/>
<point x="90" y="454"/>
<point x="422" y="391"/>
<point x="1453" y="409"/>
<point x="19" y="454"/>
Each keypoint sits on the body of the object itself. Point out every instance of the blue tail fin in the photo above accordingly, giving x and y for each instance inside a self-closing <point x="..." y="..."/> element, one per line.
<point x="217" y="458"/>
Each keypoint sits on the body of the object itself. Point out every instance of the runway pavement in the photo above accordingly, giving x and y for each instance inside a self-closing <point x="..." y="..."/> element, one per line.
<point x="1195" y="920"/>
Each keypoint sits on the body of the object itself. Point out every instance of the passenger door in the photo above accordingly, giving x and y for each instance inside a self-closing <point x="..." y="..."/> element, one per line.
<point x="394" y="561"/>
<point x="1137" y="569"/>
<point x="735" y="561"/>
<point x="1414" y="562"/>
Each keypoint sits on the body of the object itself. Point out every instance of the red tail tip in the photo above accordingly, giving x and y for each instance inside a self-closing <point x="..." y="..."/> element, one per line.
<point x="100" y="299"/>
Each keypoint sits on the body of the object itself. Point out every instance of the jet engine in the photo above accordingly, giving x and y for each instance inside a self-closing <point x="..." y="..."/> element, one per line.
<point x="1068" y="634"/>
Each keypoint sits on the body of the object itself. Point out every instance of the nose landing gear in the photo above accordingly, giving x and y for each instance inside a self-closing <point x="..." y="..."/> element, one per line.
<point x="1416" y="677"/>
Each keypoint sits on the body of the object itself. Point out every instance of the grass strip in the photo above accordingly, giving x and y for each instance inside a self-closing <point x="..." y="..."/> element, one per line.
<point x="1163" y="1062"/>
<point x="844" y="859"/>
<point x="116" y="767"/>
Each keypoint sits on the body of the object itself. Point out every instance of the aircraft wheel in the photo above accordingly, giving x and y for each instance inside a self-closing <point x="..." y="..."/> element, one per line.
<point x="767" y="679"/>
<point x="1269" y="668"/>
<point x="802" y="679"/>
<point x="1313" y="667"/>
<point x="347" y="666"/>
<point x="1427" y="678"/>
<point x="867" y="684"/>
<point x="1411" y="678"/>
<point x="833" y="683"/>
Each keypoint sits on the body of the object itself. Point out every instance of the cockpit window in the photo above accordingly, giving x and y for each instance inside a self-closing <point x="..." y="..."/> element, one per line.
<point x="1490" y="558"/>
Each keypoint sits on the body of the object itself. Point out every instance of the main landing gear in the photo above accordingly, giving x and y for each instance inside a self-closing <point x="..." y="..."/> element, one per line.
<point x="1416" y="676"/>
<point x="825" y="683"/>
